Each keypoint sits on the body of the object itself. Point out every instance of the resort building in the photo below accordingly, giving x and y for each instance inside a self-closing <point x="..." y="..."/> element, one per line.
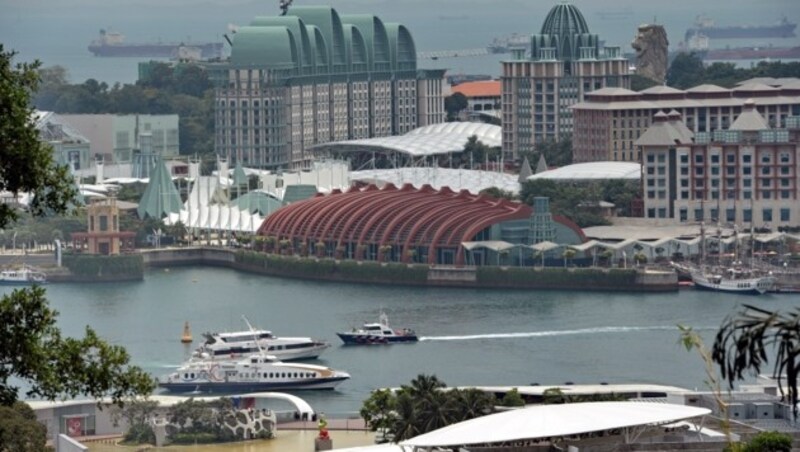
<point x="70" y="147"/>
<point x="417" y="225"/>
<point x="315" y="76"/>
<point x="103" y="235"/>
<point x="745" y="175"/>
<point x="609" y="121"/>
<point x="122" y="138"/>
<point x="483" y="100"/>
<point x="565" y="63"/>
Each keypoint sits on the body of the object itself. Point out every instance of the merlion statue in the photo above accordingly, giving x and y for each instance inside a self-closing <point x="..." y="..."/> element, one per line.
<point x="651" y="46"/>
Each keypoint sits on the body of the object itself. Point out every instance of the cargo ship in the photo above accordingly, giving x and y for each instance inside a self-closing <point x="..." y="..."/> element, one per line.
<point x="112" y="44"/>
<point x="705" y="26"/>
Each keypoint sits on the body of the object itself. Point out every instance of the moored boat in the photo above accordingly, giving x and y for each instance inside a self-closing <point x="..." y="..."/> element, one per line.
<point x="254" y="373"/>
<point x="23" y="276"/>
<point x="378" y="333"/>
<point x="734" y="282"/>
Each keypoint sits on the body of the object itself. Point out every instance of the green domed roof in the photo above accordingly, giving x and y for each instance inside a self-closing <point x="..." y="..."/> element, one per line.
<point x="564" y="20"/>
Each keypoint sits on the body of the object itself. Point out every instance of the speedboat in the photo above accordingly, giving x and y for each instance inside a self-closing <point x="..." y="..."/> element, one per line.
<point x="255" y="373"/>
<point x="24" y="276"/>
<point x="734" y="282"/>
<point x="378" y="333"/>
<point x="235" y="345"/>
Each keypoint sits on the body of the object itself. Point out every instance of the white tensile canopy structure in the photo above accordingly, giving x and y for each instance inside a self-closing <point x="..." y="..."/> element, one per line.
<point x="456" y="178"/>
<point x="553" y="422"/>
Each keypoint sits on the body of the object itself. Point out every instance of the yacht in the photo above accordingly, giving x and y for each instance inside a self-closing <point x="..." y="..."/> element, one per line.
<point x="235" y="345"/>
<point x="255" y="373"/>
<point x="734" y="281"/>
<point x="378" y="333"/>
<point x="24" y="276"/>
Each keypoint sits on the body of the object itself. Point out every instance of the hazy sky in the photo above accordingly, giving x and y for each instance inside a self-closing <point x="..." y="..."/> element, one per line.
<point x="58" y="31"/>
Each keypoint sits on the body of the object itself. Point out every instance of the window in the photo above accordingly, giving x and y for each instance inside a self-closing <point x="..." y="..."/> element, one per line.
<point x="747" y="158"/>
<point x="103" y="222"/>
<point x="662" y="212"/>
<point x="651" y="213"/>
<point x="698" y="158"/>
<point x="730" y="215"/>
<point x="684" y="158"/>
<point x="651" y="158"/>
<point x="715" y="158"/>
<point x="730" y="158"/>
<point x="698" y="171"/>
<point x="766" y="215"/>
<point x="747" y="215"/>
<point x="785" y="213"/>
<point x="698" y="214"/>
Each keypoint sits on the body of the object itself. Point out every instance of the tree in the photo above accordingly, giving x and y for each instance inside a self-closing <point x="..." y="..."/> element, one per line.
<point x="556" y="153"/>
<point x="33" y="351"/>
<point x="19" y="429"/>
<point x="498" y="193"/>
<point x="686" y="71"/>
<point x="26" y="163"/>
<point x="743" y="339"/>
<point x="478" y="152"/>
<point x="453" y="104"/>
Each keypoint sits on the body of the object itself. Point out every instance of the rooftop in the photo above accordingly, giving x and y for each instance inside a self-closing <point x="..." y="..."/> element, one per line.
<point x="593" y="171"/>
<point x="483" y="88"/>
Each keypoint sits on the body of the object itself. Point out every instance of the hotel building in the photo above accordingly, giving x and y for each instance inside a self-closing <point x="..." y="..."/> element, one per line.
<point x="609" y="121"/>
<point x="747" y="174"/>
<point x="565" y="62"/>
<point x="314" y="76"/>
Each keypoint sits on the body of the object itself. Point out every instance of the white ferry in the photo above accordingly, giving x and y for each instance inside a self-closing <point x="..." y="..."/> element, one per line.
<point x="734" y="282"/>
<point x="24" y="276"/>
<point x="255" y="373"/>
<point x="235" y="345"/>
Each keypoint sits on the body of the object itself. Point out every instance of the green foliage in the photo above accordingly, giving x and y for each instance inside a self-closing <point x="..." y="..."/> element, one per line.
<point x="687" y="70"/>
<point x="499" y="193"/>
<point x="33" y="351"/>
<point x="26" y="163"/>
<point x="20" y="431"/>
<point x="741" y="344"/>
<point x="575" y="200"/>
<point x="512" y="398"/>
<point x="202" y="422"/>
<point x="556" y="153"/>
<point x="769" y="442"/>
<point x="96" y="266"/>
<point x="554" y="396"/>
<point x="640" y="82"/>
<point x="476" y="153"/>
<point x="454" y="104"/>
<point x="556" y="277"/>
<point x="136" y="414"/>
<point x="184" y="90"/>
<point x="423" y="406"/>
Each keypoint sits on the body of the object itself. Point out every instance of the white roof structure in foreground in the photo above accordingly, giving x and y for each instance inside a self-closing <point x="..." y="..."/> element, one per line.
<point x="555" y="421"/>
<point x="593" y="171"/>
<point x="457" y="179"/>
<point x="443" y="138"/>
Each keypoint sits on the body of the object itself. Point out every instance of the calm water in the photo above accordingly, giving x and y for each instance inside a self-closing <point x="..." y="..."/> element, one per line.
<point x="470" y="337"/>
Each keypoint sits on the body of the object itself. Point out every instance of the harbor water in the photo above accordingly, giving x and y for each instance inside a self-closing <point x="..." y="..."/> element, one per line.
<point x="468" y="337"/>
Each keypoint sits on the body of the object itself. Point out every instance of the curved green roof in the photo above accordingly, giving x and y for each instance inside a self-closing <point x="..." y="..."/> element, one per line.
<point x="356" y="48"/>
<point x="319" y="47"/>
<point x="298" y="29"/>
<point x="402" y="51"/>
<point x="375" y="38"/>
<point x="272" y="46"/>
<point x="329" y="23"/>
<point x="564" y="20"/>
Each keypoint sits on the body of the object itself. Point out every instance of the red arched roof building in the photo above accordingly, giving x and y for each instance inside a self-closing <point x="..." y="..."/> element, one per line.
<point x="408" y="224"/>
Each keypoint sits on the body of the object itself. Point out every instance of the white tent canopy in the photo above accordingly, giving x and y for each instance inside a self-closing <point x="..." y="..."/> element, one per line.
<point x="555" y="421"/>
<point x="545" y="246"/>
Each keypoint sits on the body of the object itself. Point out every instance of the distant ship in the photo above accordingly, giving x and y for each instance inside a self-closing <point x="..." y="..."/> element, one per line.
<point x="112" y="44"/>
<point x="705" y="26"/>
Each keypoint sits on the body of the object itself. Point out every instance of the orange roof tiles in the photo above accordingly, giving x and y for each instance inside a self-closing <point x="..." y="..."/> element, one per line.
<point x="483" y="88"/>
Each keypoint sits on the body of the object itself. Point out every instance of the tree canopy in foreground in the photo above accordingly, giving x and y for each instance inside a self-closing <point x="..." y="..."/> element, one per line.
<point x="34" y="353"/>
<point x="26" y="163"/>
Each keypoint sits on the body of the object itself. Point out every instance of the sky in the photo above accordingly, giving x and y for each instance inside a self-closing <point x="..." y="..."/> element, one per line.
<point x="58" y="31"/>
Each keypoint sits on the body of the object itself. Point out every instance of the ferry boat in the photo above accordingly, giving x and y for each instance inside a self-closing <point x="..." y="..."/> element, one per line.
<point x="235" y="345"/>
<point x="734" y="282"/>
<point x="378" y="333"/>
<point x="24" y="276"/>
<point x="254" y="373"/>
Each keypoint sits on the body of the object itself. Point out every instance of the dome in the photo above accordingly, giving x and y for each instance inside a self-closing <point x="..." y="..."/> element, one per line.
<point x="564" y="20"/>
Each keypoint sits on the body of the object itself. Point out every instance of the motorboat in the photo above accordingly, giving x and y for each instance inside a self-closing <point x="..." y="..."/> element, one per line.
<point x="378" y="333"/>
<point x="23" y="276"/>
<point x="734" y="281"/>
<point x="235" y="345"/>
<point x="255" y="373"/>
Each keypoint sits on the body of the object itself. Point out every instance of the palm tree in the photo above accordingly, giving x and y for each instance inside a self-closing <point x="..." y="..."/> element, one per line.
<point x="405" y="425"/>
<point x="471" y="403"/>
<point x="569" y="253"/>
<point x="742" y="341"/>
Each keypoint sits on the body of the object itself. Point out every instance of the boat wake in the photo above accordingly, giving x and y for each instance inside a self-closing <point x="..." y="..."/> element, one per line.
<point x="601" y="330"/>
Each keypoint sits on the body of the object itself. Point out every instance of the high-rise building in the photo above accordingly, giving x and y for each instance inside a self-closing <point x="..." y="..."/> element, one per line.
<point x="314" y="76"/>
<point x="565" y="62"/>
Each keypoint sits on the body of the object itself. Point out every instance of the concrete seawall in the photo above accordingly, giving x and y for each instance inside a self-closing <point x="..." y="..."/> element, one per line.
<point x="464" y="277"/>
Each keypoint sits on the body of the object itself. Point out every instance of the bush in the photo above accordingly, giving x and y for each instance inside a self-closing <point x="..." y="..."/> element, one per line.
<point x="769" y="442"/>
<point x="94" y="266"/>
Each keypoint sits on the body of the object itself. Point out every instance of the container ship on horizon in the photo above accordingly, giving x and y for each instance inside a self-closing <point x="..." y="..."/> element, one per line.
<point x="112" y="44"/>
<point x="706" y="27"/>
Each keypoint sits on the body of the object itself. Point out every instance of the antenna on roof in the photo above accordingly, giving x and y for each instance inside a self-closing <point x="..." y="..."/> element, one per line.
<point x="284" y="6"/>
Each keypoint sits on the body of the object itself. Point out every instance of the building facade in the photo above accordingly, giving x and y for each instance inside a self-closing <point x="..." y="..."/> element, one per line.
<point x="609" y="121"/>
<point x="483" y="100"/>
<point x="747" y="175"/>
<point x="565" y="63"/>
<point x="314" y="76"/>
<point x="70" y="147"/>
